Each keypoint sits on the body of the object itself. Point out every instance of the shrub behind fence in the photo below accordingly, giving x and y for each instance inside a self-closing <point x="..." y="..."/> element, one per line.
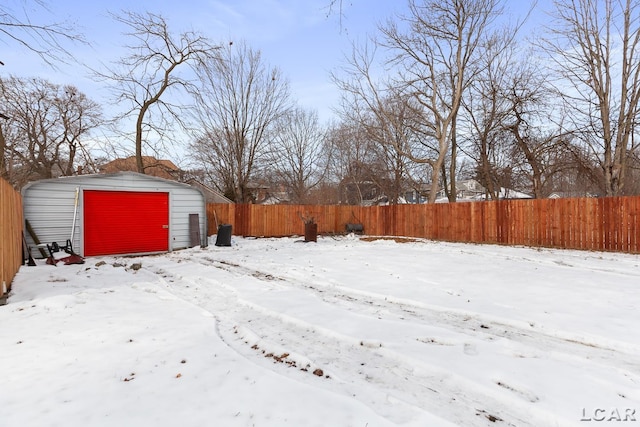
<point x="602" y="224"/>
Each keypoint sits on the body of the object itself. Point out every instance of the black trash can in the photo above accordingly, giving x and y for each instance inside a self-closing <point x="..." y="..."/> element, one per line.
<point x="224" y="235"/>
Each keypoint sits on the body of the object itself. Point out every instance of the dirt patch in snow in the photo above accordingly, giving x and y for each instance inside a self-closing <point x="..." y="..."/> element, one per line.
<point x="395" y="239"/>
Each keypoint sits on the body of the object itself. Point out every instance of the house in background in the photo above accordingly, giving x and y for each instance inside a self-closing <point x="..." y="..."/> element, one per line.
<point x="418" y="193"/>
<point x="165" y="169"/>
<point x="210" y="195"/>
<point x="153" y="167"/>
<point x="364" y="193"/>
<point x="471" y="190"/>
<point x="265" y="193"/>
<point x="570" y="194"/>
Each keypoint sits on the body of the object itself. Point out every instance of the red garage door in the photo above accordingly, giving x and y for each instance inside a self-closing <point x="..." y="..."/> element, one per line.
<point x="123" y="222"/>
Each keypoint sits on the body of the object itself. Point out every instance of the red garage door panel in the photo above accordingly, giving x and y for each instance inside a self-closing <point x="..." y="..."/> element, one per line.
<point x="123" y="222"/>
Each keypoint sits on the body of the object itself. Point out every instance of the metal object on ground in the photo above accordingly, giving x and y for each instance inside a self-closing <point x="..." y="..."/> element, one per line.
<point x="354" y="228"/>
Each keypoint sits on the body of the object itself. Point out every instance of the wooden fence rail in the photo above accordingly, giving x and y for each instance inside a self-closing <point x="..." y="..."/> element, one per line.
<point x="10" y="233"/>
<point x="601" y="224"/>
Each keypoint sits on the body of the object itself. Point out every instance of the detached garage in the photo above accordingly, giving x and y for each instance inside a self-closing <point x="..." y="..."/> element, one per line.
<point x="115" y="214"/>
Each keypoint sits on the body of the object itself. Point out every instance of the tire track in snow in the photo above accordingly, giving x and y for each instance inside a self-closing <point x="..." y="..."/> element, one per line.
<point x="628" y="264"/>
<point x="397" y="379"/>
<point x="563" y="346"/>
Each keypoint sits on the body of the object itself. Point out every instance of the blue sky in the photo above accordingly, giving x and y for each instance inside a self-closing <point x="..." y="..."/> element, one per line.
<point x="297" y="36"/>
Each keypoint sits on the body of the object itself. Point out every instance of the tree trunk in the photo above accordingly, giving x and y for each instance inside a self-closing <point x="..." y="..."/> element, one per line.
<point x="453" y="194"/>
<point x="435" y="176"/>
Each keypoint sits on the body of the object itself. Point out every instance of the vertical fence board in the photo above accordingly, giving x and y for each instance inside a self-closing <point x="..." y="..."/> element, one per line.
<point x="595" y="224"/>
<point x="11" y="227"/>
<point x="623" y="232"/>
<point x="540" y="219"/>
<point x="579" y="223"/>
<point x="440" y="221"/>
<point x="552" y="220"/>
<point x="626" y="225"/>
<point x="569" y="232"/>
<point x="453" y="221"/>
<point x="586" y="219"/>
<point x="599" y="225"/>
<point x="513" y="221"/>
<point x="590" y="223"/>
<point x="634" y="228"/>
<point x="613" y="226"/>
<point x="548" y="223"/>
<point x="518" y="233"/>
<point x="531" y="223"/>
<point x="473" y="223"/>
<point x="607" y="226"/>
<point x="526" y="222"/>
<point x="463" y="218"/>
<point x="636" y="225"/>
<point x="464" y="225"/>
<point x="500" y="232"/>
<point x="484" y="233"/>
<point x="630" y="203"/>
<point x="562" y="224"/>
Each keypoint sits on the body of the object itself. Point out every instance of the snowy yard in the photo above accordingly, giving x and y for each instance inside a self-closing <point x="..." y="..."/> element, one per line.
<point x="342" y="332"/>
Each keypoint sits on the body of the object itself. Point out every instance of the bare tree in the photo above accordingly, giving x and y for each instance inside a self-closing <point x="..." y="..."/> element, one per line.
<point x="239" y="101"/>
<point x="45" y="39"/>
<point x="46" y="129"/>
<point x="352" y="162"/>
<point x="595" y="46"/>
<point x="511" y="127"/>
<point x="393" y="171"/>
<point x="142" y="80"/>
<point x="437" y="60"/>
<point x="366" y="169"/>
<point x="387" y="117"/>
<point x="434" y="58"/>
<point x="528" y="144"/>
<point x="388" y="126"/>
<point x="298" y="153"/>
<point x="485" y="111"/>
<point x="7" y="133"/>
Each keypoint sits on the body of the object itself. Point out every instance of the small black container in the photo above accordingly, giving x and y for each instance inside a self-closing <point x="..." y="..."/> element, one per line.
<point x="224" y="235"/>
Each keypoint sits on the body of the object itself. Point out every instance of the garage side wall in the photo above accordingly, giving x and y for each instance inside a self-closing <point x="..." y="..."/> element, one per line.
<point x="181" y="204"/>
<point x="49" y="206"/>
<point x="48" y="210"/>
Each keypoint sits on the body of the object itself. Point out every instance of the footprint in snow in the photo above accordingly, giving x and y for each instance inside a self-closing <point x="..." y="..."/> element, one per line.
<point x="470" y="349"/>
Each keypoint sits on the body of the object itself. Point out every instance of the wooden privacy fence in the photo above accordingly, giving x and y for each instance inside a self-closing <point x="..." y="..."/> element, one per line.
<point x="10" y="233"/>
<point x="602" y="224"/>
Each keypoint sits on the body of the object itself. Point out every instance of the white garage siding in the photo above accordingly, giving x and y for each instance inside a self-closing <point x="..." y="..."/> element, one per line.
<point x="49" y="206"/>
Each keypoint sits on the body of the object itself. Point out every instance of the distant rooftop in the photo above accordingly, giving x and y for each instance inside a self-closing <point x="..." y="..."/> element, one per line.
<point x="152" y="167"/>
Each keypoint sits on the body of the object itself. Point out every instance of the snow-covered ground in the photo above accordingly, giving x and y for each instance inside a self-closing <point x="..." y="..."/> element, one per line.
<point x="342" y="332"/>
